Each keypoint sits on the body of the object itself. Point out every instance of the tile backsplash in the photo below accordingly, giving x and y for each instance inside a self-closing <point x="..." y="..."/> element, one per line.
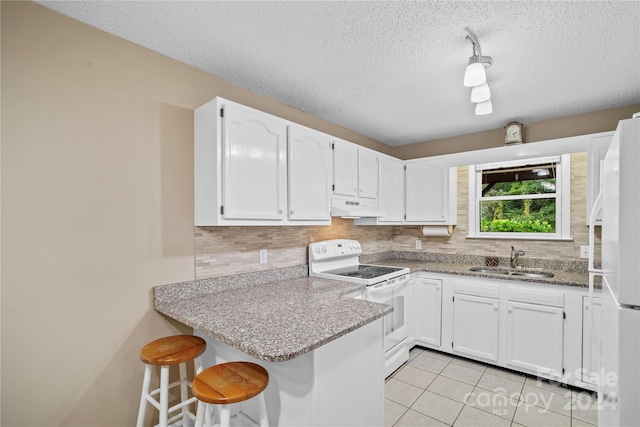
<point x="232" y="250"/>
<point x="223" y="251"/>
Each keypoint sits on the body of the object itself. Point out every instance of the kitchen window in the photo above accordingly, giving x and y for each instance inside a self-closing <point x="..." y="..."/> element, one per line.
<point x="523" y="199"/>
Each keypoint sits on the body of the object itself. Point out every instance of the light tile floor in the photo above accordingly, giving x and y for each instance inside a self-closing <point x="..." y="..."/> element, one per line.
<point x="435" y="389"/>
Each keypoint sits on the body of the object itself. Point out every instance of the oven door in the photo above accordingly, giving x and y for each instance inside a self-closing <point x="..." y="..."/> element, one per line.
<point x="396" y="328"/>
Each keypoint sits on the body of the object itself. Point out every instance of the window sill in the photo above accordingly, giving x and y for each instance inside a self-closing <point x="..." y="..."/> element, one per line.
<point x="556" y="239"/>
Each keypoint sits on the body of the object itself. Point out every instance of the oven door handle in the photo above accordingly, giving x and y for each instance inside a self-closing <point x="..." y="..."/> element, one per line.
<point x="400" y="283"/>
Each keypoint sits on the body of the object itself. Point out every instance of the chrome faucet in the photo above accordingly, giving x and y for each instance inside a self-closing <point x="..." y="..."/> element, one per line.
<point x="514" y="257"/>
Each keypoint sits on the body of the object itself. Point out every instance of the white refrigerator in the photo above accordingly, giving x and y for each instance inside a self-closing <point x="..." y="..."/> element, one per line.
<point x="619" y="382"/>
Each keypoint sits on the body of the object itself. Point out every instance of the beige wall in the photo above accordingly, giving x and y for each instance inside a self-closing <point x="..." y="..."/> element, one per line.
<point x="97" y="208"/>
<point x="581" y="124"/>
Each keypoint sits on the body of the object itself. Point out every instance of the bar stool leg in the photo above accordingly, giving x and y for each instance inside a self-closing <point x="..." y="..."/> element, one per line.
<point x="197" y="365"/>
<point x="262" y="411"/>
<point x="209" y="415"/>
<point x="200" y="412"/>
<point x="146" y="383"/>
<point x="164" y="395"/>
<point x="183" y="392"/>
<point x="225" y="416"/>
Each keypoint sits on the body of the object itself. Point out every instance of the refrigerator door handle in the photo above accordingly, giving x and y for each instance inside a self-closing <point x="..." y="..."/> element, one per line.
<point x="593" y="272"/>
<point x="597" y="207"/>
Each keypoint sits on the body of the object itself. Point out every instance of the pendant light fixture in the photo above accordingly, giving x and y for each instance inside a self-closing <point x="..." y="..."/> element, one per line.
<point x="480" y="93"/>
<point x="475" y="77"/>
<point x="484" y="107"/>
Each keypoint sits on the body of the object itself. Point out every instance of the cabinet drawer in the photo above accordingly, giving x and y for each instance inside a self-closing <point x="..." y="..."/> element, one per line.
<point x="537" y="296"/>
<point x="488" y="290"/>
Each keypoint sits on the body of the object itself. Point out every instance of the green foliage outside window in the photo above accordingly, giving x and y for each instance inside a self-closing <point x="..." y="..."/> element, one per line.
<point x="521" y="215"/>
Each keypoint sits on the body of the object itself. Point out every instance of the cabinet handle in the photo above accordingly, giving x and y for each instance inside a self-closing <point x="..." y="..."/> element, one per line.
<point x="510" y="310"/>
<point x="495" y="307"/>
<point x="280" y="211"/>
<point x="291" y="212"/>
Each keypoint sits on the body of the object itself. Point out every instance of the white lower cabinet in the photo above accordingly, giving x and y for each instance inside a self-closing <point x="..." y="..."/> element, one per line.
<point x="428" y="311"/>
<point x="535" y="331"/>
<point x="533" y="328"/>
<point x="476" y="326"/>
<point x="535" y="338"/>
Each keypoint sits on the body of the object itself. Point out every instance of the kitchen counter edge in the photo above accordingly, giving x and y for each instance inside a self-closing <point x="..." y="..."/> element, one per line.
<point x="275" y="321"/>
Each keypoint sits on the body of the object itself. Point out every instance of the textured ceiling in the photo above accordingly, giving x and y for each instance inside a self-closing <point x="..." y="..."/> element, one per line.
<point x="393" y="70"/>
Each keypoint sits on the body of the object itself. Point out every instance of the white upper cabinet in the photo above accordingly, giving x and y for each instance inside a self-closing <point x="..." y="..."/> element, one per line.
<point x="345" y="169"/>
<point x="391" y="194"/>
<point x="254" y="165"/>
<point x="355" y="179"/>
<point x="309" y="175"/>
<point x="245" y="172"/>
<point x="368" y="170"/>
<point x="430" y="192"/>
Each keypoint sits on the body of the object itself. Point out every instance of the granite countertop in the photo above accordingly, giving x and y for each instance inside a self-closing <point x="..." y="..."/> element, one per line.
<point x="564" y="278"/>
<point x="560" y="277"/>
<point x="565" y="273"/>
<point x="275" y="321"/>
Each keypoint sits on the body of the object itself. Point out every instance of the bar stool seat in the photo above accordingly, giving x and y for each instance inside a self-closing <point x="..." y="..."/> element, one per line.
<point x="228" y="383"/>
<point x="166" y="352"/>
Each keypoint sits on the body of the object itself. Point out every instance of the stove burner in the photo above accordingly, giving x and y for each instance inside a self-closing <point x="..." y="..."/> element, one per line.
<point x="363" y="271"/>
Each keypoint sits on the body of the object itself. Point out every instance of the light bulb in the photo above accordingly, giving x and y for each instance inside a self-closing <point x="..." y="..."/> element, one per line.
<point x="474" y="75"/>
<point x="480" y="93"/>
<point x="483" y="108"/>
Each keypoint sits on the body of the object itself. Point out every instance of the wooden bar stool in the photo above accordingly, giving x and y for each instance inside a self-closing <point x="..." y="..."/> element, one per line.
<point x="229" y="383"/>
<point x="166" y="352"/>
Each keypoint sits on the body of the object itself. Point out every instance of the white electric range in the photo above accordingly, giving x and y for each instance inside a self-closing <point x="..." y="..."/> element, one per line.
<point x="338" y="259"/>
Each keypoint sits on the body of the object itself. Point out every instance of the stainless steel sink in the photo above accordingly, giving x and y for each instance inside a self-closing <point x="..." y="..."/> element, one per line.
<point x="504" y="271"/>
<point x="489" y="270"/>
<point x="531" y="274"/>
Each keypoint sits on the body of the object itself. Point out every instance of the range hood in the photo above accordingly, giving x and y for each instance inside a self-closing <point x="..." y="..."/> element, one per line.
<point x="355" y="209"/>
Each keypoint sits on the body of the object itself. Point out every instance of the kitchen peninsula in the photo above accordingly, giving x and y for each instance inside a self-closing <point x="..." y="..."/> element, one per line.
<point x="316" y="343"/>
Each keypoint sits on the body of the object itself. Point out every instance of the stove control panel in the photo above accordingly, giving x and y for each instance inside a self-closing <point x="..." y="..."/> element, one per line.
<point x="332" y="249"/>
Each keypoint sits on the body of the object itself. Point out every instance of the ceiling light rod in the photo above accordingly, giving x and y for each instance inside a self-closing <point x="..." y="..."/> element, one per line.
<point x="477" y="54"/>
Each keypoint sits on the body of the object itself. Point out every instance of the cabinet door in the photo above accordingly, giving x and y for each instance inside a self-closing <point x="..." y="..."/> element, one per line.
<point x="391" y="194"/>
<point x="427" y="191"/>
<point x="368" y="174"/>
<point x="254" y="165"/>
<point x="428" y="311"/>
<point x="345" y="169"/>
<point x="475" y="326"/>
<point x="591" y="345"/>
<point x="535" y="336"/>
<point x="309" y="175"/>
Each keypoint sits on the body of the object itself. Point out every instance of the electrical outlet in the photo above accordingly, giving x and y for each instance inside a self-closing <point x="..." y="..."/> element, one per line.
<point x="418" y="244"/>
<point x="584" y="251"/>
<point x="263" y="256"/>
